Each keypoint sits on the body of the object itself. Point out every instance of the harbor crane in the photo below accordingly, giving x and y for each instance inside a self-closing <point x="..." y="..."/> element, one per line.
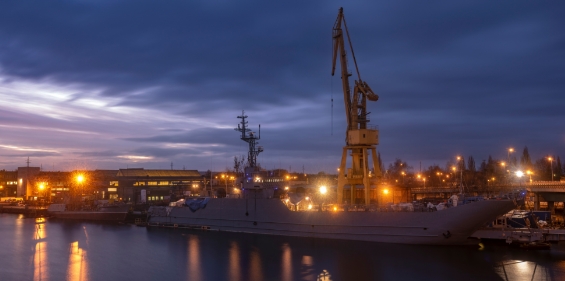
<point x="361" y="138"/>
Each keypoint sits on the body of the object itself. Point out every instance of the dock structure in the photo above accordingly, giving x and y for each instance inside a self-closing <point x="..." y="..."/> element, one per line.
<point x="538" y="193"/>
<point x="521" y="234"/>
<point x="31" y="211"/>
<point x="551" y="192"/>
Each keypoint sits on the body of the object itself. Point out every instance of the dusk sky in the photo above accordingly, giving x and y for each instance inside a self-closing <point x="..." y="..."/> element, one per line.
<point x="101" y="84"/>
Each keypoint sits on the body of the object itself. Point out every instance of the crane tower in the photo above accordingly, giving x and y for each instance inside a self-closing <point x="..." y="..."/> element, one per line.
<point x="361" y="138"/>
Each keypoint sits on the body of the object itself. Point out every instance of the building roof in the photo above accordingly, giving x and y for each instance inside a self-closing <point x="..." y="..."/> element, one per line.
<point x="157" y="173"/>
<point x="106" y="173"/>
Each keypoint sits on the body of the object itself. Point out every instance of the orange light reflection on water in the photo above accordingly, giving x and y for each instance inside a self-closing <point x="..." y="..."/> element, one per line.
<point x="40" y="268"/>
<point x="194" y="263"/>
<point x="235" y="266"/>
<point x="286" y="263"/>
<point x="255" y="270"/>
<point x="78" y="263"/>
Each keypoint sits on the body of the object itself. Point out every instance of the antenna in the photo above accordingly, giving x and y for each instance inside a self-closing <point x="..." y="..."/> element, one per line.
<point x="251" y="138"/>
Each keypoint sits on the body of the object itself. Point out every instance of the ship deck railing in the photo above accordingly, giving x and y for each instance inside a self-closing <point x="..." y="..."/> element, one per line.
<point x="406" y="207"/>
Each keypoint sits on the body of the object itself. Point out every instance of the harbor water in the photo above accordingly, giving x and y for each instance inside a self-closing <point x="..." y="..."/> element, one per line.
<point x="39" y="249"/>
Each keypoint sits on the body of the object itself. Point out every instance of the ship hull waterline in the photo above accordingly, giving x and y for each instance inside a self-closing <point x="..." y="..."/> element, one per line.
<point x="452" y="226"/>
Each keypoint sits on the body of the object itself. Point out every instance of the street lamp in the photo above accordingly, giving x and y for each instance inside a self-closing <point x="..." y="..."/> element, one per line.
<point x="530" y="174"/>
<point x="226" y="180"/>
<point x="510" y="150"/>
<point x="323" y="191"/>
<point x="460" y="168"/>
<point x="80" y="180"/>
<point x="551" y="166"/>
<point x="403" y="174"/>
<point x="519" y="174"/>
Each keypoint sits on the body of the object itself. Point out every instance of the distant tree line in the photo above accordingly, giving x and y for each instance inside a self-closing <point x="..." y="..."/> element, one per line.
<point x="489" y="173"/>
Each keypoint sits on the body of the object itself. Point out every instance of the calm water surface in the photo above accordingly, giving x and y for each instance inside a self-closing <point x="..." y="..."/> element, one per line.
<point x="58" y="250"/>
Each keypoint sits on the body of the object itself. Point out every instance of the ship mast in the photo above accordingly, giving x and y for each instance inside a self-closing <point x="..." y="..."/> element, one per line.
<point x="251" y="138"/>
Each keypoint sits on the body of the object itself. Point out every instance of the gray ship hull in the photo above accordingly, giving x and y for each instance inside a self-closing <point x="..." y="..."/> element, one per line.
<point x="452" y="226"/>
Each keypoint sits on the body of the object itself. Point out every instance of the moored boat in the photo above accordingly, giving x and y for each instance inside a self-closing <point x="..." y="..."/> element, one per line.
<point x="451" y="226"/>
<point x="116" y="213"/>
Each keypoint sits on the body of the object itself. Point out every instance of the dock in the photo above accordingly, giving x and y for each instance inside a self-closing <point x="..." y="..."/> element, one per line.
<point x="521" y="234"/>
<point x="31" y="211"/>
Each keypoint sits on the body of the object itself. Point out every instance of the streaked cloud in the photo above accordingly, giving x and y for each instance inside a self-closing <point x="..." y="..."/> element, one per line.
<point x="106" y="83"/>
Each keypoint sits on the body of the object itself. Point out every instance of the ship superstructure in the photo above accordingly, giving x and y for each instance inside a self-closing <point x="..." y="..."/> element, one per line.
<point x="252" y="172"/>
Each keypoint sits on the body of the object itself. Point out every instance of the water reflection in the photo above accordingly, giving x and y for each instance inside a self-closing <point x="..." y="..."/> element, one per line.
<point x="255" y="267"/>
<point x="78" y="265"/>
<point x="523" y="270"/>
<point x="307" y="271"/>
<point x="99" y="252"/>
<point x="324" y="276"/>
<point x="194" y="265"/>
<point x="40" y="265"/>
<point x="235" y="263"/>
<point x="286" y="263"/>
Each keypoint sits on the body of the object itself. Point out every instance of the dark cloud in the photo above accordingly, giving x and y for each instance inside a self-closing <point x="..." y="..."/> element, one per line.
<point x="37" y="154"/>
<point x="454" y="77"/>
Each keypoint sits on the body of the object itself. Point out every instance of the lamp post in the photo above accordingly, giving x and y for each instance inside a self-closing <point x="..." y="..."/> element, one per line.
<point x="529" y="174"/>
<point x="503" y="165"/>
<point x="403" y="174"/>
<point x="510" y="150"/>
<point x="454" y="169"/>
<point x="459" y="159"/>
<point x="80" y="179"/>
<point x="226" y="180"/>
<point x="323" y="191"/>
<point x="551" y="166"/>
<point x="519" y="174"/>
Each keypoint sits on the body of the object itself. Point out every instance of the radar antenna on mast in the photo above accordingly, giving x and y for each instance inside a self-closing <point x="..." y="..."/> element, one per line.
<point x="251" y="138"/>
